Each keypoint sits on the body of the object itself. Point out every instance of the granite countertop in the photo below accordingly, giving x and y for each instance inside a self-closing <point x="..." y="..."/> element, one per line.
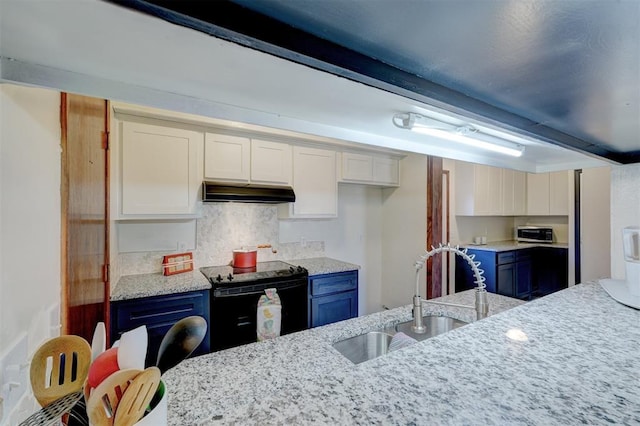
<point x="578" y="366"/>
<point x="511" y="245"/>
<point x="146" y="285"/>
<point x="323" y="265"/>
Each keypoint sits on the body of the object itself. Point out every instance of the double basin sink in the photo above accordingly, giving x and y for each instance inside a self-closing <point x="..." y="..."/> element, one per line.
<point x="377" y="343"/>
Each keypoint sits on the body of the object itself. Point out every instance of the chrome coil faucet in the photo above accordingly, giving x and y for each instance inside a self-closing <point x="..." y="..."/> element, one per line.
<point x="481" y="305"/>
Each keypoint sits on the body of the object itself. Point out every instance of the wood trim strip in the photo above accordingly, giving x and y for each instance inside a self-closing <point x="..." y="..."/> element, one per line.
<point x="64" y="217"/>
<point x="107" y="218"/>
<point x="434" y="225"/>
<point x="446" y="176"/>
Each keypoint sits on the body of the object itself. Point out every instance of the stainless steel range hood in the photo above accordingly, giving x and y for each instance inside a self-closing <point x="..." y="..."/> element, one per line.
<point x="246" y="193"/>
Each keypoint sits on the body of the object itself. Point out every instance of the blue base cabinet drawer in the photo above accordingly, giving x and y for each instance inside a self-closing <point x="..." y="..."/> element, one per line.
<point x="333" y="297"/>
<point x="159" y="314"/>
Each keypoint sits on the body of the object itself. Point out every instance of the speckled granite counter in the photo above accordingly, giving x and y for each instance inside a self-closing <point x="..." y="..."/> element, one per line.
<point x="579" y="366"/>
<point x="511" y="245"/>
<point x="323" y="265"/>
<point x="145" y="285"/>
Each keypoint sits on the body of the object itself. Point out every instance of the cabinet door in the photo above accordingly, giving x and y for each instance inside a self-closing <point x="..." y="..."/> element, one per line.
<point x="333" y="308"/>
<point x="478" y="190"/>
<point x="357" y="167"/>
<point x="551" y="270"/>
<point x="227" y="157"/>
<point x="523" y="279"/>
<point x="494" y="191"/>
<point x="315" y="184"/>
<point x="159" y="169"/>
<point x="514" y="193"/>
<point x="538" y="194"/>
<point x="481" y="190"/>
<point x="464" y="274"/>
<point x="506" y="279"/>
<point x="559" y="193"/>
<point x="271" y="162"/>
<point x="386" y="171"/>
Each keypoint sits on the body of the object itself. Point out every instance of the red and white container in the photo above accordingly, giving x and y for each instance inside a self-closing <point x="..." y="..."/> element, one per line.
<point x="245" y="257"/>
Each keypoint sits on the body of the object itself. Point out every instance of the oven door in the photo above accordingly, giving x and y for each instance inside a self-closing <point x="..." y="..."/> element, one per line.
<point x="233" y="316"/>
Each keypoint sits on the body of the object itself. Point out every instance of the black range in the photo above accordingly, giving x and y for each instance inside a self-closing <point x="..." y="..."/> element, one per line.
<point x="235" y="294"/>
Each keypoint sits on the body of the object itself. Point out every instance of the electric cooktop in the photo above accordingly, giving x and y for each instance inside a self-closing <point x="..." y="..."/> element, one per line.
<point x="226" y="275"/>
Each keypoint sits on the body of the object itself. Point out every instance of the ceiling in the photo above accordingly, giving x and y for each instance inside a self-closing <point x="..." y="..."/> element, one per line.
<point x="566" y="71"/>
<point x="574" y="97"/>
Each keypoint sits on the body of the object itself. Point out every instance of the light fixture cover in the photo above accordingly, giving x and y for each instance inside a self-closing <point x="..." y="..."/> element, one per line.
<point x="465" y="133"/>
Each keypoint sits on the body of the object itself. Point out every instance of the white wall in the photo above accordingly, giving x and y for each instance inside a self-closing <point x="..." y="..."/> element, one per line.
<point x="625" y="211"/>
<point x="495" y="228"/>
<point x="596" y="223"/>
<point x="404" y="232"/>
<point x="355" y="237"/>
<point x="30" y="210"/>
<point x="29" y="218"/>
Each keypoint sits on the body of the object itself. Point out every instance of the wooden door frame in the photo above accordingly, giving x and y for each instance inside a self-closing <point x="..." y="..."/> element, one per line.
<point x="434" y="224"/>
<point x="446" y="175"/>
<point x="64" y="229"/>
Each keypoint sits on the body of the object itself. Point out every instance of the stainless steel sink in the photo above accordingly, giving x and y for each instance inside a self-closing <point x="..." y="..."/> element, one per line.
<point x="435" y="325"/>
<point x="376" y="343"/>
<point x="365" y="346"/>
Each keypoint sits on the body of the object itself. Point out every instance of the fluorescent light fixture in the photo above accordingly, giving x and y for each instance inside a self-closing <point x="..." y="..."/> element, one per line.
<point x="465" y="134"/>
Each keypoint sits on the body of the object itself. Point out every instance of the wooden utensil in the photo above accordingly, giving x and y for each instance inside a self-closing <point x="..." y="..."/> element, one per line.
<point x="104" y="399"/>
<point x="68" y="359"/>
<point x="137" y="397"/>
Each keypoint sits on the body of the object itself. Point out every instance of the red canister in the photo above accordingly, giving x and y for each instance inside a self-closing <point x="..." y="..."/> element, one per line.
<point x="245" y="257"/>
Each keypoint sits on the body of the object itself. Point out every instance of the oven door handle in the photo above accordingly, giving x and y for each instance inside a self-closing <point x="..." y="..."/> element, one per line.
<point x="252" y="290"/>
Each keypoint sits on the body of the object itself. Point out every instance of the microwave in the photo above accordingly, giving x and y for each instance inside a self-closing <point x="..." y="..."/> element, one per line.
<point x="534" y="234"/>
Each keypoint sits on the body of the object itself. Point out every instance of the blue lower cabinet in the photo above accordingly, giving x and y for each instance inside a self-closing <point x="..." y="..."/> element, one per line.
<point x="333" y="297"/>
<point x="522" y="273"/>
<point x="465" y="280"/>
<point x="159" y="314"/>
<point x="552" y="270"/>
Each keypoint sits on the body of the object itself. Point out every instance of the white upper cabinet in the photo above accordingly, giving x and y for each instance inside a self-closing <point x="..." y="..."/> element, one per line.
<point x="357" y="167"/>
<point x="559" y="191"/>
<point x="386" y="171"/>
<point x="548" y="194"/>
<point x="227" y="157"/>
<point x="370" y="169"/>
<point x="271" y="162"/>
<point x="489" y="191"/>
<point x="514" y="193"/>
<point x="159" y="172"/>
<point x="478" y="190"/>
<point x="537" y="194"/>
<point x="314" y="183"/>
<point x="243" y="160"/>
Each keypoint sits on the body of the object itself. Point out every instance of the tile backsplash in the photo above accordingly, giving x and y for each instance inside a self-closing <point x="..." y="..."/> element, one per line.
<point x="221" y="228"/>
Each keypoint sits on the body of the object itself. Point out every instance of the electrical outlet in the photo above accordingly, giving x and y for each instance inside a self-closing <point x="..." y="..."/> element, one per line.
<point x="14" y="375"/>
